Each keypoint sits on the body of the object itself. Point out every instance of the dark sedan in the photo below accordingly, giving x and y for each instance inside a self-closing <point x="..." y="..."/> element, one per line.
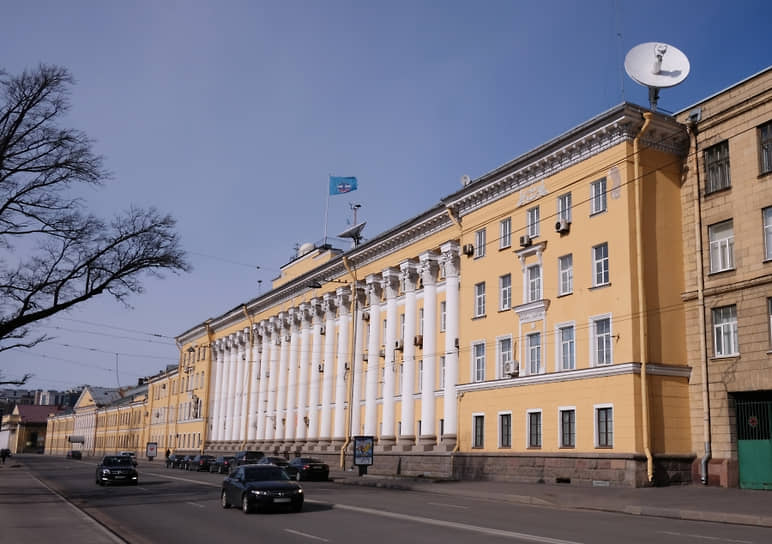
<point x="260" y="486"/>
<point x="200" y="462"/>
<point x="222" y="464"/>
<point x="74" y="454"/>
<point x="277" y="461"/>
<point x="116" y="469"/>
<point x="308" y="468"/>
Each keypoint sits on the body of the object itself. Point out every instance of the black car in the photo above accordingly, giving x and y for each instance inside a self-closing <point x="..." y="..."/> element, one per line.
<point x="222" y="464"/>
<point x="308" y="468"/>
<point x="277" y="461"/>
<point x="200" y="462"/>
<point x="74" y="454"/>
<point x="247" y="457"/>
<point x="260" y="486"/>
<point x="174" y="460"/>
<point x="116" y="469"/>
<point x="185" y="462"/>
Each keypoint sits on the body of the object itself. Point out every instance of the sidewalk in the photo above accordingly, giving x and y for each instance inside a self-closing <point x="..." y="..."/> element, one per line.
<point x="688" y="502"/>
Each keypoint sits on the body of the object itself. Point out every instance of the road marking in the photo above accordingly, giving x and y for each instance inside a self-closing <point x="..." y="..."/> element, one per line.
<point x="189" y="480"/>
<point x="312" y="537"/>
<point x="195" y="504"/>
<point x="449" y="505"/>
<point x="455" y="525"/>
<point x="672" y="533"/>
<point x="142" y="488"/>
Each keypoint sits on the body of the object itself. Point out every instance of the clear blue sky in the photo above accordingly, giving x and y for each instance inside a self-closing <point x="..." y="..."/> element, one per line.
<point x="230" y="115"/>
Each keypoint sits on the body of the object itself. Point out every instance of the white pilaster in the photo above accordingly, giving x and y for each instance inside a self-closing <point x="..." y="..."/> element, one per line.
<point x="262" y="395"/>
<point x="328" y="307"/>
<point x="273" y="378"/>
<point x="242" y="345"/>
<point x="391" y="287"/>
<point x="357" y="367"/>
<point x="230" y="394"/>
<point x="316" y="359"/>
<point x="305" y="358"/>
<point x="217" y="411"/>
<point x="429" y="269"/>
<point x="409" y="279"/>
<point x="254" y="385"/>
<point x="343" y="364"/>
<point x="373" y="289"/>
<point x="281" y="391"/>
<point x="292" y="375"/>
<point x="450" y="261"/>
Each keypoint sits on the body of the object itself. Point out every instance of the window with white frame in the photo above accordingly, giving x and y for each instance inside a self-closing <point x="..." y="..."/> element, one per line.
<point x="533" y="273"/>
<point x="600" y="329"/>
<point x="400" y="376"/>
<point x="725" y="331"/>
<point x="505" y="355"/>
<point x="721" y="239"/>
<point x="598" y="196"/>
<point x="505" y="233"/>
<point x="402" y="327"/>
<point x="566" y="347"/>
<point x="765" y="147"/>
<point x="505" y="430"/>
<point x="478" y="363"/>
<point x="566" y="274"/>
<point x="420" y="378"/>
<point x="479" y="244"/>
<point x="443" y="315"/>
<point x="567" y="427"/>
<point x="421" y="321"/>
<point x="767" y="220"/>
<point x="479" y="299"/>
<point x="533" y="428"/>
<point x="478" y="425"/>
<point x="533" y="222"/>
<point x="600" y="274"/>
<point x="385" y="322"/>
<point x="505" y="292"/>
<point x="442" y="372"/>
<point x="534" y="353"/>
<point x="564" y="207"/>
<point x="717" y="168"/>
<point x="604" y="426"/>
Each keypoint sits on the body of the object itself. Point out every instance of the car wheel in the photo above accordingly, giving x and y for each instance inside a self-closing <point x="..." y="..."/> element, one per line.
<point x="245" y="506"/>
<point x="297" y="507"/>
<point x="224" y="500"/>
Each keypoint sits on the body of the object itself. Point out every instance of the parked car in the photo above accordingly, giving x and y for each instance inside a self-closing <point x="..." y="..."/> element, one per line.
<point x="173" y="460"/>
<point x="308" y="468"/>
<point x="280" y="462"/>
<point x="130" y="454"/>
<point x="260" y="486"/>
<point x="222" y="464"/>
<point x="185" y="462"/>
<point x="74" y="454"/>
<point x="200" y="462"/>
<point x="247" y="457"/>
<point x="116" y="469"/>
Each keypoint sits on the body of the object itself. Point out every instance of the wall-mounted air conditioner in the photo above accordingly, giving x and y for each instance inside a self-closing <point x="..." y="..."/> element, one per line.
<point x="398" y="345"/>
<point x="512" y="369"/>
<point x="525" y="240"/>
<point x="418" y="340"/>
<point x="563" y="226"/>
<point x="468" y="249"/>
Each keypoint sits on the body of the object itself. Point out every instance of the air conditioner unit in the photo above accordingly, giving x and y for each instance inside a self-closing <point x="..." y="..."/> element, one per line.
<point x="563" y="226"/>
<point x="382" y="352"/>
<point x="321" y="367"/>
<point x="287" y="337"/>
<point x="366" y="316"/>
<point x="468" y="249"/>
<point x="525" y="240"/>
<point x="418" y="340"/>
<point x="398" y="345"/>
<point x="322" y="331"/>
<point x="512" y="369"/>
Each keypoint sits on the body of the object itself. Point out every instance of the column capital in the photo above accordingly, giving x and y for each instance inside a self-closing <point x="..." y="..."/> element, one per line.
<point x="329" y="305"/>
<point x="391" y="278"/>
<point x="449" y="258"/>
<point x="428" y="267"/>
<point x="342" y="299"/>
<point x="409" y="274"/>
<point x="373" y="288"/>
<point x="315" y="308"/>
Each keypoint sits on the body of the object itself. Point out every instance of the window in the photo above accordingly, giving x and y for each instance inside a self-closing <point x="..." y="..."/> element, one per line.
<point x="566" y="274"/>
<point x="564" y="207"/>
<point x="534" y="353"/>
<point x="725" y="331"/>
<point x="505" y="292"/>
<point x="442" y="372"/>
<point x="601" y="340"/>
<point x="767" y="219"/>
<point x="566" y="349"/>
<point x="479" y="428"/>
<point x="765" y="147"/>
<point x="505" y="430"/>
<point x="534" y="282"/>
<point x="568" y="428"/>
<point x="420" y="321"/>
<point x="479" y="299"/>
<point x="533" y="222"/>
<point x="534" y="428"/>
<point x="721" y="239"/>
<point x="478" y="352"/>
<point x="600" y="274"/>
<point x="505" y="233"/>
<point x="604" y="426"/>
<point x="717" y="168"/>
<point x="598" y="196"/>
<point x="479" y="244"/>
<point x="400" y="376"/>
<point x="420" y="381"/>
<point x="505" y="356"/>
<point x="402" y="326"/>
<point x="443" y="315"/>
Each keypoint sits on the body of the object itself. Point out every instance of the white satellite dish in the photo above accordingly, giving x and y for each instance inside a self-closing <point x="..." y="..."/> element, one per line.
<point x="656" y="66"/>
<point x="465" y="180"/>
<point x="354" y="232"/>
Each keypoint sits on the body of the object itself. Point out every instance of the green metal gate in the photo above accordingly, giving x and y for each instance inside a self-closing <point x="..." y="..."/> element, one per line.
<point x="754" y="443"/>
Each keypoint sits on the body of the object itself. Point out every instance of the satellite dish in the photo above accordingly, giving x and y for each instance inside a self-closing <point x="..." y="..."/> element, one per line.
<point x="656" y="66"/>
<point x="465" y="180"/>
<point x="354" y="232"/>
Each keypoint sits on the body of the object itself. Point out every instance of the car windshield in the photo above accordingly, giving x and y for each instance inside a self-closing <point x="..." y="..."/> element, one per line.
<point x="264" y="474"/>
<point x="308" y="460"/>
<point x="117" y="461"/>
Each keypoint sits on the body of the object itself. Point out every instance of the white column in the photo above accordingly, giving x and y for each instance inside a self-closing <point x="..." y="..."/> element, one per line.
<point x="450" y="262"/>
<point x="262" y="395"/>
<point x="343" y="365"/>
<point x="281" y="387"/>
<point x="358" y="366"/>
<point x="316" y="359"/>
<point x="391" y="287"/>
<point x="253" y="385"/>
<point x="373" y="282"/>
<point x="328" y="307"/>
<point x="290" y="426"/>
<point x="409" y="278"/>
<point x="273" y="378"/>
<point x="242" y="344"/>
<point x="303" y="374"/>
<point x="230" y="359"/>
<point x="217" y="411"/>
<point x="429" y="269"/>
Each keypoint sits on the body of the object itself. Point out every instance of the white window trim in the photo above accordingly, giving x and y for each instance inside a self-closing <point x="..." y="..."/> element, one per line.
<point x="480" y="241"/>
<point x="595" y="408"/>
<point x="478" y="296"/>
<point x="593" y="319"/>
<point x="559" y="346"/>
<point x="736" y="351"/>
<point x="542" y="353"/>
<point x="472" y="362"/>
<point x="560" y="275"/>
<point x="528" y="413"/>
<point x="598" y="182"/>
<point x="505" y="236"/>
<point x="443" y="315"/>
<point x="766" y="229"/>
<point x="501" y="292"/>
<point x="562" y="409"/>
<point x="595" y="263"/>
<point x="474" y="415"/>
<point x="498" y="425"/>
<point x="499" y="369"/>
<point x="564" y="214"/>
<point x="532" y="228"/>
<point x="722" y="245"/>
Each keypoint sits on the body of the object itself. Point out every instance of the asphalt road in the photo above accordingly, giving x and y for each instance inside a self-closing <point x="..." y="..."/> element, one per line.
<point x="172" y="506"/>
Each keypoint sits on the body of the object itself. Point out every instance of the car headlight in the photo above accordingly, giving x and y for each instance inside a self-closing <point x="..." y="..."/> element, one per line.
<point x="299" y="491"/>
<point x="105" y="471"/>
<point x="260" y="493"/>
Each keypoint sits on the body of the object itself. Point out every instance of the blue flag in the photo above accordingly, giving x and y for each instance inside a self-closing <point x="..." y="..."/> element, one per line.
<point x="342" y="185"/>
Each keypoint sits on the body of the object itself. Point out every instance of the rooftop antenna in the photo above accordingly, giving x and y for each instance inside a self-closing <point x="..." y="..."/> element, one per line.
<point x="355" y="231"/>
<point x="656" y="66"/>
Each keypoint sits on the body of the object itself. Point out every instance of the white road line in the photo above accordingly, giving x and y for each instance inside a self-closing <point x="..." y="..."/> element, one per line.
<point x="454" y="525"/>
<point x="195" y="504"/>
<point x="690" y="535"/>
<point x="189" y="480"/>
<point x="312" y="537"/>
<point x="448" y="505"/>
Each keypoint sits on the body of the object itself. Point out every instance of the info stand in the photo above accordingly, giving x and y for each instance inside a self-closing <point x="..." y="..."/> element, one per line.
<point x="363" y="453"/>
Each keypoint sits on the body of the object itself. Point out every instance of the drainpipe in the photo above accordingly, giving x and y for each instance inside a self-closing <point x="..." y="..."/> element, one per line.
<point x="350" y="381"/>
<point x="706" y="433"/>
<point x="642" y="325"/>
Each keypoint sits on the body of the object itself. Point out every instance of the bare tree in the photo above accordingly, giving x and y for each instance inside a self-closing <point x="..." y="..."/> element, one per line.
<point x="54" y="254"/>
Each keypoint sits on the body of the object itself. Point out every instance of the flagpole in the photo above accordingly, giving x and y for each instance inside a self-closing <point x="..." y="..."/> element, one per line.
<point x="326" y="209"/>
